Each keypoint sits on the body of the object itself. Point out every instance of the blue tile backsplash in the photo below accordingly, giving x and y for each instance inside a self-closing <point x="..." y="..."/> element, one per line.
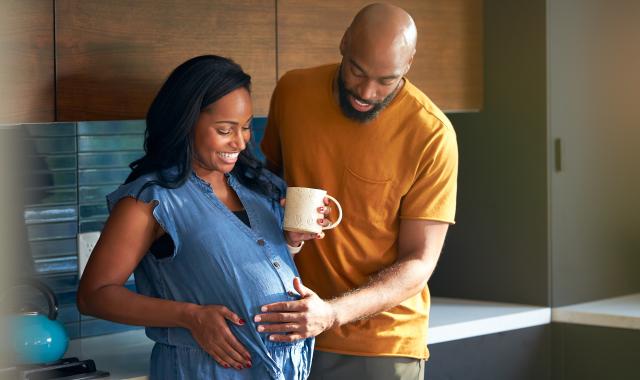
<point x="72" y="167"/>
<point x="106" y="160"/>
<point x="111" y="128"/>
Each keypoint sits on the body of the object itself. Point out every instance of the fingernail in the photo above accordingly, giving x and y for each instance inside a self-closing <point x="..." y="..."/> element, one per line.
<point x="260" y="328"/>
<point x="264" y="308"/>
<point x="225" y="365"/>
<point x="241" y="321"/>
<point x="320" y="209"/>
<point x="271" y="337"/>
<point x="256" y="318"/>
<point x="320" y="220"/>
<point x="239" y="367"/>
<point x="248" y="365"/>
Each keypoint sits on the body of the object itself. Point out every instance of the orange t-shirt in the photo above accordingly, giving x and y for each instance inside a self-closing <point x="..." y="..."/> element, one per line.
<point x="403" y="164"/>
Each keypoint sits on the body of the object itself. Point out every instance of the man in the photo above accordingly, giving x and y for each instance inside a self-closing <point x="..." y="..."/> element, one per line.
<point x="364" y="133"/>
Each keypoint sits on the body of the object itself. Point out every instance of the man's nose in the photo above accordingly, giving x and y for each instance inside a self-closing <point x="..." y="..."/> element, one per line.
<point x="368" y="91"/>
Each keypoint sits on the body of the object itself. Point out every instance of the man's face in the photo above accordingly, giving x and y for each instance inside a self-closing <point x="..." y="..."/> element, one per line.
<point x="369" y="77"/>
<point x="360" y="109"/>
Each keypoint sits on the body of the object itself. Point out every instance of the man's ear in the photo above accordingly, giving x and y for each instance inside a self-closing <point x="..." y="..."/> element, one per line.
<point x="410" y="62"/>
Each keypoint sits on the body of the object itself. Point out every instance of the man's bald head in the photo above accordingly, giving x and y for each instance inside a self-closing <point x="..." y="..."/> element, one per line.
<point x="377" y="51"/>
<point x="384" y="29"/>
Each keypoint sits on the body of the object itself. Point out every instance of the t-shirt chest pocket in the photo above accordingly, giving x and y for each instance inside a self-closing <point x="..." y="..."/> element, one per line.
<point x="364" y="200"/>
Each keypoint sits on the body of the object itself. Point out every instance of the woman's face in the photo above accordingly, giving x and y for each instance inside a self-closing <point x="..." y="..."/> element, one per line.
<point x="222" y="131"/>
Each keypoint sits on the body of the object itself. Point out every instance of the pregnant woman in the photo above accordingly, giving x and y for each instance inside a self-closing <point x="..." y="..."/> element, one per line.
<point x="199" y="223"/>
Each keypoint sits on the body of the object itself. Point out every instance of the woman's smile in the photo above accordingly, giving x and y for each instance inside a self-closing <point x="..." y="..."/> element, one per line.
<point x="229" y="157"/>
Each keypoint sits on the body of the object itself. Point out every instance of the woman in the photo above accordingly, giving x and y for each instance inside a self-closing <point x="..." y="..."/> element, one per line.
<point x="200" y="224"/>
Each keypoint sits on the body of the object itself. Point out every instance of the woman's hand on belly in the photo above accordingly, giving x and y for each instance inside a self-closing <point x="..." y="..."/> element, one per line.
<point x="209" y="328"/>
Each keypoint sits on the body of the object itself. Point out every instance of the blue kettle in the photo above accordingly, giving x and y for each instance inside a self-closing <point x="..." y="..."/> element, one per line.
<point x="37" y="338"/>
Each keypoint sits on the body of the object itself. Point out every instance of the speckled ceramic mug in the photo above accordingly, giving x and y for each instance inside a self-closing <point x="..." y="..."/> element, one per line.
<point x="301" y="210"/>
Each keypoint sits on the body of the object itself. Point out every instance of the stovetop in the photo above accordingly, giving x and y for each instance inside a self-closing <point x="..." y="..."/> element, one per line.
<point x="67" y="369"/>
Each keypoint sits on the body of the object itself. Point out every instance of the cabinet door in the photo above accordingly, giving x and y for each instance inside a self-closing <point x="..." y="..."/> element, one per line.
<point x="593" y="91"/>
<point x="26" y="61"/>
<point x="448" y="61"/>
<point x="112" y="56"/>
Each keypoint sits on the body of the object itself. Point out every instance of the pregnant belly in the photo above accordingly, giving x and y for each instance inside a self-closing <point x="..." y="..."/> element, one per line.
<point x="260" y="286"/>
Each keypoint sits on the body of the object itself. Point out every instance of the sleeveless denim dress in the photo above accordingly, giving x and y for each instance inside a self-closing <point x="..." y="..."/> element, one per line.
<point x="218" y="260"/>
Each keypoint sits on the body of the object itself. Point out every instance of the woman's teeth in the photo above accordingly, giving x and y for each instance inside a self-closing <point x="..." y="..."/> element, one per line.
<point x="228" y="156"/>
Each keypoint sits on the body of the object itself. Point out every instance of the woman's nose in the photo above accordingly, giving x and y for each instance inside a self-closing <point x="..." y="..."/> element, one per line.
<point x="238" y="141"/>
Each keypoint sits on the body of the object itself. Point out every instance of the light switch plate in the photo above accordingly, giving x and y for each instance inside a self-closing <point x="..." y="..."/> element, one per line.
<point x="86" y="242"/>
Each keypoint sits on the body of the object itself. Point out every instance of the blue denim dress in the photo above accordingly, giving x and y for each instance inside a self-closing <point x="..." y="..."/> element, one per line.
<point x="218" y="260"/>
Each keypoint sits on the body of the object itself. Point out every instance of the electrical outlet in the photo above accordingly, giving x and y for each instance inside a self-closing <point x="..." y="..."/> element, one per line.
<point x="86" y="242"/>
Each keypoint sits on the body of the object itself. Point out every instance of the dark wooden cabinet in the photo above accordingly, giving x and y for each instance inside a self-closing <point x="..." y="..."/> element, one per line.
<point x="26" y="61"/>
<point x="72" y="60"/>
<point x="113" y="56"/>
<point x="448" y="61"/>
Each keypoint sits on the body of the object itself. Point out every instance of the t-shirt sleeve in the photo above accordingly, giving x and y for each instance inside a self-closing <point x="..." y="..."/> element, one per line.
<point x="432" y="196"/>
<point x="270" y="144"/>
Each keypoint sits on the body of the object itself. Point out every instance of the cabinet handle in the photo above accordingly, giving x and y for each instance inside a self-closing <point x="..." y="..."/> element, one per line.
<point x="557" y="147"/>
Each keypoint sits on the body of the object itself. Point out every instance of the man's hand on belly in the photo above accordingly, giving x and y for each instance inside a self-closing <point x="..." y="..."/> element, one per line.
<point x="293" y="320"/>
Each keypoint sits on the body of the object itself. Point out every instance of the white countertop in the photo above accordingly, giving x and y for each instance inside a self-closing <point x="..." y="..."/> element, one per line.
<point x="126" y="355"/>
<point x="621" y="312"/>
<point x="453" y="318"/>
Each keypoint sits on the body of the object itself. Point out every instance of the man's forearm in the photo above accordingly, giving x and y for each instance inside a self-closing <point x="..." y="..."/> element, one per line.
<point x="420" y="245"/>
<point x="385" y="290"/>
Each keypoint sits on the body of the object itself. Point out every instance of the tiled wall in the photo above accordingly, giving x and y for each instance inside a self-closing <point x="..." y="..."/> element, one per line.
<point x="72" y="166"/>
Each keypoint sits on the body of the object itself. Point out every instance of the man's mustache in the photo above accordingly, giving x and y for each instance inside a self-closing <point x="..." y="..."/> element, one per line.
<point x="369" y="102"/>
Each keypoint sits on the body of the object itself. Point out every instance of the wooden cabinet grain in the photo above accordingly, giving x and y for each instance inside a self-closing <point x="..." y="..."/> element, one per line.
<point x="26" y="61"/>
<point x="448" y="61"/>
<point x="112" y="56"/>
<point x="72" y="60"/>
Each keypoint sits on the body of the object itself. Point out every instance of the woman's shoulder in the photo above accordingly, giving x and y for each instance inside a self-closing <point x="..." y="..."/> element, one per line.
<point x="145" y="188"/>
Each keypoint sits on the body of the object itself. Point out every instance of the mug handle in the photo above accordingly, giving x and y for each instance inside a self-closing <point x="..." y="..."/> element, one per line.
<point x="334" y="224"/>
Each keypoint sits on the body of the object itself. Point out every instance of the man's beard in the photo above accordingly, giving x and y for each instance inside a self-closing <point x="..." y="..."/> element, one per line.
<point x="352" y="113"/>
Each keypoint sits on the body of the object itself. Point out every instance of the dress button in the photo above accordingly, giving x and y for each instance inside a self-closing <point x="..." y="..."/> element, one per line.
<point x="260" y="242"/>
<point x="276" y="264"/>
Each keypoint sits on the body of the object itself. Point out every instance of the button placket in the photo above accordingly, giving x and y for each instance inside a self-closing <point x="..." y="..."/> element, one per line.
<point x="275" y="260"/>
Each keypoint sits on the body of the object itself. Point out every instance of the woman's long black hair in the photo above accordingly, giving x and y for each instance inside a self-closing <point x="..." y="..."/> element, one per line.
<point x="168" y="140"/>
